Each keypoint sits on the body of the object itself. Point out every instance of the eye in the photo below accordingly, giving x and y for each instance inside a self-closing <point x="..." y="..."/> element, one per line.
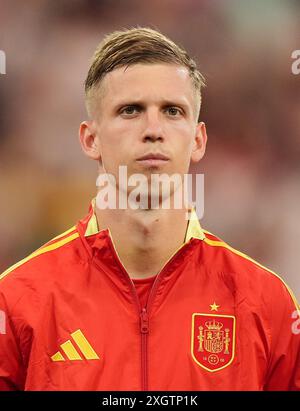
<point x="129" y="110"/>
<point x="173" y="111"/>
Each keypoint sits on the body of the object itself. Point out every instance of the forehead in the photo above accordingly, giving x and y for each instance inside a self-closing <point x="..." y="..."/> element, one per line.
<point x="165" y="81"/>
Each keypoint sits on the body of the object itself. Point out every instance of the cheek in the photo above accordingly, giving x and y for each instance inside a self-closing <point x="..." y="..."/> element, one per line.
<point x="119" y="133"/>
<point x="116" y="147"/>
<point x="186" y="141"/>
<point x="184" y="128"/>
<point x="110" y="138"/>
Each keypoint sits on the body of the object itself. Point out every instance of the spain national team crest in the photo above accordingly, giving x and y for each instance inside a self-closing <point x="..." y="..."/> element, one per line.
<point x="213" y="340"/>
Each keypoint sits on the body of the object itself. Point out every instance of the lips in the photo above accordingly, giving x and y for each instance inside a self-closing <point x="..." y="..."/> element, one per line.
<point x="153" y="156"/>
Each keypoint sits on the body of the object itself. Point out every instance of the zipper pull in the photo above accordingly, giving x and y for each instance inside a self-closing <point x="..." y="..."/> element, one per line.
<point x="144" y="321"/>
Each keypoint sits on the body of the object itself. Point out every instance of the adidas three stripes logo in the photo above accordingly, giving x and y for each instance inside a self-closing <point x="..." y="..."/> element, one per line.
<point x="72" y="353"/>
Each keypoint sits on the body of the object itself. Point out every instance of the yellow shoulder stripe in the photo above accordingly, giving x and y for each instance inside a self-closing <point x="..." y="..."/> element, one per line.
<point x="63" y="234"/>
<point x="39" y="252"/>
<point x="207" y="232"/>
<point x="222" y="244"/>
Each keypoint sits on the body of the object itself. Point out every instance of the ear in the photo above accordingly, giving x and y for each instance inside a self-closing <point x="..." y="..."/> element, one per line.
<point x="89" y="140"/>
<point x="199" y="144"/>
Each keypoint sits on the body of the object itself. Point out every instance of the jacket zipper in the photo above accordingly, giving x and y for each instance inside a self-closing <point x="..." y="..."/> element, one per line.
<point x="144" y="332"/>
<point x="144" y="312"/>
<point x="145" y="317"/>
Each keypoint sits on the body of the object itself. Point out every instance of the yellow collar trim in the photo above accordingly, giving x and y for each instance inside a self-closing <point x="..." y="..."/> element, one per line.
<point x="92" y="227"/>
<point x="194" y="229"/>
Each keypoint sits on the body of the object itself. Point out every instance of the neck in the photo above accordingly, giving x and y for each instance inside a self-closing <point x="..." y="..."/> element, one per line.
<point x="144" y="239"/>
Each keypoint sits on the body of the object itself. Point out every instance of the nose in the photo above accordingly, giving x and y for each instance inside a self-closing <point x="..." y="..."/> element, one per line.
<point x="153" y="126"/>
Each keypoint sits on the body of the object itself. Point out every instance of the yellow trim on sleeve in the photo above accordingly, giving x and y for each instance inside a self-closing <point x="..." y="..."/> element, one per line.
<point x="40" y="251"/>
<point x="215" y="243"/>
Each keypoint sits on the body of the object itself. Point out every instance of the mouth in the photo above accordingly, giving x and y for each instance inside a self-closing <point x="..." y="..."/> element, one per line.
<point x="153" y="159"/>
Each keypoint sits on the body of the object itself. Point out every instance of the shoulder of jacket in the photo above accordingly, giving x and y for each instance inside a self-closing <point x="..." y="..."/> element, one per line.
<point x="41" y="256"/>
<point x="237" y="260"/>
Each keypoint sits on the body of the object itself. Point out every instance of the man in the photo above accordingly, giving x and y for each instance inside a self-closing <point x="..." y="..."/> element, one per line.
<point x="139" y="298"/>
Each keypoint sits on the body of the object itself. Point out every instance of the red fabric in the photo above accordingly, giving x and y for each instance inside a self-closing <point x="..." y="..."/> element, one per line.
<point x="143" y="288"/>
<point x="81" y="285"/>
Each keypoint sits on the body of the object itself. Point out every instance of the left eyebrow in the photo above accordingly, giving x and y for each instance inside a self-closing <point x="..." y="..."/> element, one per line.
<point x="173" y="103"/>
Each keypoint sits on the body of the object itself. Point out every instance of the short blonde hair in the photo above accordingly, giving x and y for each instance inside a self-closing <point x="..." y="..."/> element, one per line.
<point x="133" y="46"/>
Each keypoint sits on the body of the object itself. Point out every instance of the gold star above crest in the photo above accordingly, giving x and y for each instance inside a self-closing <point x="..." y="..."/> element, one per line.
<point x="214" y="307"/>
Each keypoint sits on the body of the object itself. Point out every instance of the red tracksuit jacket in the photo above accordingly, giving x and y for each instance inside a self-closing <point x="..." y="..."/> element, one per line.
<point x="70" y="319"/>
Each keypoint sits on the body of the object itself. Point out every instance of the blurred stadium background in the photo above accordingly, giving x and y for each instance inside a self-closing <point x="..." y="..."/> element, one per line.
<point x="251" y="107"/>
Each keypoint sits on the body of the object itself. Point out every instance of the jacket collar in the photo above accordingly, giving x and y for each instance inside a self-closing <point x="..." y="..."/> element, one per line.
<point x="194" y="229"/>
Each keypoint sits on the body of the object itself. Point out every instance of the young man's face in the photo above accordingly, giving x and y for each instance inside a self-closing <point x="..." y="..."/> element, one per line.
<point x="145" y="110"/>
